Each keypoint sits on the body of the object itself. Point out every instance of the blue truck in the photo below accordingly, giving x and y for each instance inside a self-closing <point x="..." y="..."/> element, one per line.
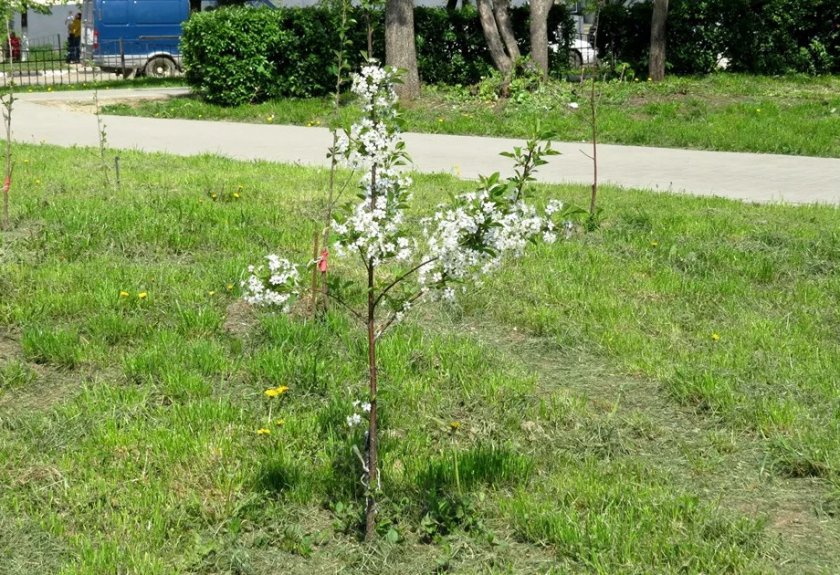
<point x="134" y="36"/>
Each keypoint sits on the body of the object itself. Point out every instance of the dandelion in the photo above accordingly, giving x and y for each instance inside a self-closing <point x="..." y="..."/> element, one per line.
<point x="279" y="422"/>
<point x="142" y="295"/>
<point x="455" y="426"/>
<point x="211" y="293"/>
<point x="229" y="287"/>
<point x="236" y="195"/>
<point x="715" y="337"/>
<point x="276" y="391"/>
<point x="263" y="431"/>
<point x="124" y="293"/>
<point x="654" y="244"/>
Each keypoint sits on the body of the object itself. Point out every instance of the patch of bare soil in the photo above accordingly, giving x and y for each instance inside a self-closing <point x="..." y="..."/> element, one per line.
<point x="88" y="107"/>
<point x="239" y="319"/>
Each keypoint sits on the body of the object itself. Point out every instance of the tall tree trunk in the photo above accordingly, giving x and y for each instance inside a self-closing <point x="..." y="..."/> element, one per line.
<point x="400" y="50"/>
<point x="656" y="69"/>
<point x="494" y="40"/>
<point x="501" y="11"/>
<point x="539" y="34"/>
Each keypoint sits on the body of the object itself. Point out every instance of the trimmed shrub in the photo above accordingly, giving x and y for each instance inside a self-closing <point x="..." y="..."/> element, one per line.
<point x="239" y="55"/>
<point x="757" y="36"/>
<point x="780" y="36"/>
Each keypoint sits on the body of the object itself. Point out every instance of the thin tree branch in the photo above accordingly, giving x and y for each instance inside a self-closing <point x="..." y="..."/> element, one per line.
<point x="402" y="277"/>
<point x="393" y="317"/>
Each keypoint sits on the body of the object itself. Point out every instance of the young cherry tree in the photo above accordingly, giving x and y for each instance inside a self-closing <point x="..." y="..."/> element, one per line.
<point x="471" y="236"/>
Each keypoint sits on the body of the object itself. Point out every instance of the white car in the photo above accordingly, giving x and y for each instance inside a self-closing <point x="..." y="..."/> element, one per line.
<point x="581" y="53"/>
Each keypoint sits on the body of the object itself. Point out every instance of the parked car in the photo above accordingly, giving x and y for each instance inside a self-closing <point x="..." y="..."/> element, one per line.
<point x="581" y="53"/>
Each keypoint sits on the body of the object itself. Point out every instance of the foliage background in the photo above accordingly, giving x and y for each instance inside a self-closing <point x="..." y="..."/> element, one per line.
<point x="238" y="55"/>
<point x="755" y="36"/>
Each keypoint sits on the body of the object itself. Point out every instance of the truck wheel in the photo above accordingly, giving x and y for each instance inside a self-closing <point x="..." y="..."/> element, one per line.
<point x="160" y="67"/>
<point x="575" y="60"/>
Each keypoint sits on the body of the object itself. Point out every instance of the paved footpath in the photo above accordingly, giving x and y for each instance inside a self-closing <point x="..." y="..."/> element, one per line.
<point x="751" y="177"/>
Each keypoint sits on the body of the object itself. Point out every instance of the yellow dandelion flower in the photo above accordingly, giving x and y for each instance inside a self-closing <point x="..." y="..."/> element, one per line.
<point x="279" y="422"/>
<point x="654" y="243"/>
<point x="276" y="391"/>
<point x="214" y="196"/>
<point x="211" y="293"/>
<point x="229" y="287"/>
<point x="715" y="337"/>
<point x="455" y="425"/>
<point x="124" y="293"/>
<point x="263" y="431"/>
<point x="236" y="195"/>
<point x="142" y="295"/>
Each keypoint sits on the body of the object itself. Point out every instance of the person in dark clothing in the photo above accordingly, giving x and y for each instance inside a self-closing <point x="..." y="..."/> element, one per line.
<point x="74" y="39"/>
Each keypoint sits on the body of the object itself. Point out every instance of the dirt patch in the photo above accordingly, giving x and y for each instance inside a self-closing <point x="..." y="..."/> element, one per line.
<point x="239" y="319"/>
<point x="88" y="107"/>
<point x="9" y="349"/>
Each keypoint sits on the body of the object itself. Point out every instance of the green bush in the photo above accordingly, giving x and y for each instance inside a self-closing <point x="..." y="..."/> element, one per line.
<point x="757" y="36"/>
<point x="693" y="38"/>
<point x="239" y="55"/>
<point x="780" y="36"/>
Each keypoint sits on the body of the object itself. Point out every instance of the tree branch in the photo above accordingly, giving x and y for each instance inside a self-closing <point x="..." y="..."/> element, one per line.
<point x="401" y="278"/>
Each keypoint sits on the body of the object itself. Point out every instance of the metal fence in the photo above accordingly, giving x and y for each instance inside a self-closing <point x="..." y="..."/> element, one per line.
<point x="49" y="62"/>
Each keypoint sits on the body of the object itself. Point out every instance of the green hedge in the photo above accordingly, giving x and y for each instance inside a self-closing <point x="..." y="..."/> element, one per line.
<point x="757" y="36"/>
<point x="237" y="55"/>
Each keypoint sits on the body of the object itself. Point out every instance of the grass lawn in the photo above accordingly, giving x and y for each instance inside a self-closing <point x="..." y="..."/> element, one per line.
<point x="658" y="396"/>
<point x="791" y="115"/>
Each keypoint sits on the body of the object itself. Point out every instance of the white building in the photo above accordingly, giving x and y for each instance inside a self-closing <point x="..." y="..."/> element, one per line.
<point x="48" y="29"/>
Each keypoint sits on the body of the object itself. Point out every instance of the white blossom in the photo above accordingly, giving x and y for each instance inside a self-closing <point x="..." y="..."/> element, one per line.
<point x="272" y="287"/>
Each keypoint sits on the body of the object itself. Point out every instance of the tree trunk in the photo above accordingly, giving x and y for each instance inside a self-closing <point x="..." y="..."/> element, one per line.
<point x="502" y="14"/>
<point x="656" y="69"/>
<point x="373" y="428"/>
<point x="539" y="34"/>
<point x="500" y="58"/>
<point x="400" y="50"/>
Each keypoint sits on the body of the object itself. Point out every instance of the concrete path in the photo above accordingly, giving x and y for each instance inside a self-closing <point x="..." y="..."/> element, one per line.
<point x="750" y="177"/>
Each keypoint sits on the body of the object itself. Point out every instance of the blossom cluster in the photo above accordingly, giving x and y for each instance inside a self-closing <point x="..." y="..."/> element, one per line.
<point x="475" y="235"/>
<point x="355" y="418"/>
<point x="375" y="139"/>
<point x="273" y="284"/>
<point x="374" y="227"/>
